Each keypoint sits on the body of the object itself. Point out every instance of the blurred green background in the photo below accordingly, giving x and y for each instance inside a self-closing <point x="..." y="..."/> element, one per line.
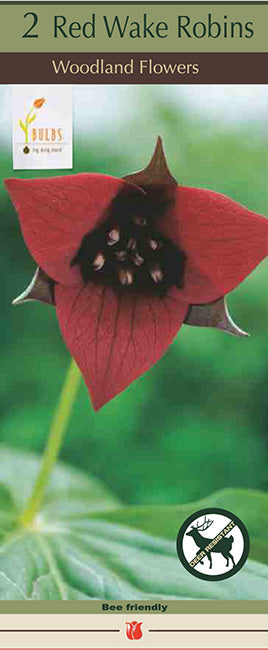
<point x="196" y="422"/>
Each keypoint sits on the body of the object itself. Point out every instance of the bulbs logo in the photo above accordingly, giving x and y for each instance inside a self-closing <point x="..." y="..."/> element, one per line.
<point x="133" y="630"/>
<point x="38" y="135"/>
<point x="42" y="122"/>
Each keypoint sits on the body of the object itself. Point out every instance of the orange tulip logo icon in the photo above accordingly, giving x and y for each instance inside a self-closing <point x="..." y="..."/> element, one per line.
<point x="38" y="103"/>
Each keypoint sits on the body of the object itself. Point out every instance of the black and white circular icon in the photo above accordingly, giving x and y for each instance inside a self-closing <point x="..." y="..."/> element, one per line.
<point x="213" y="544"/>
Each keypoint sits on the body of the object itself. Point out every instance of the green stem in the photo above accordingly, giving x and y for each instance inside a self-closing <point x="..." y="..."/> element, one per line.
<point x="58" y="428"/>
<point x="27" y="125"/>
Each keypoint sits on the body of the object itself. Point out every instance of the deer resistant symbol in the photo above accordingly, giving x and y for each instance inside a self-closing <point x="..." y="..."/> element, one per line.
<point x="223" y="546"/>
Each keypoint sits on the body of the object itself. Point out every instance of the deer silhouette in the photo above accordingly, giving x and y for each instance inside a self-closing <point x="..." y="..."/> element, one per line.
<point x="223" y="546"/>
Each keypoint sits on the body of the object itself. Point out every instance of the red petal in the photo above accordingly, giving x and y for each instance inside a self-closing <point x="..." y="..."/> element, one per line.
<point x="115" y="338"/>
<point x="55" y="214"/>
<point x="223" y="241"/>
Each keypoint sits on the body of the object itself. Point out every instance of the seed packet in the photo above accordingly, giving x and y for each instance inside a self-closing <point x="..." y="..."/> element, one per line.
<point x="134" y="207"/>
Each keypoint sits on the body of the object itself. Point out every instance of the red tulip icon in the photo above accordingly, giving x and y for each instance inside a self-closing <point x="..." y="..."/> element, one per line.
<point x="133" y="630"/>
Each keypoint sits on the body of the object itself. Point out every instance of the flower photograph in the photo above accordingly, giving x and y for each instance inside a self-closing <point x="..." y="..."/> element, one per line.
<point x="134" y="343"/>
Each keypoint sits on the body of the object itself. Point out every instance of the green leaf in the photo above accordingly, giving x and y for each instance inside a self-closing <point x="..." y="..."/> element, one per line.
<point x="32" y="119"/>
<point x="72" y="551"/>
<point x="69" y="490"/>
<point x="250" y="505"/>
<point x="22" y="126"/>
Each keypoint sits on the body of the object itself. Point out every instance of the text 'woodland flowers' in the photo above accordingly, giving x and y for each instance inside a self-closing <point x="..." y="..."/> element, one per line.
<point x="127" y="261"/>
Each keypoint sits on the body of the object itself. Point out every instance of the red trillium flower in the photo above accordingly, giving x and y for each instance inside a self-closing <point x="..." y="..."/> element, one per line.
<point x="127" y="261"/>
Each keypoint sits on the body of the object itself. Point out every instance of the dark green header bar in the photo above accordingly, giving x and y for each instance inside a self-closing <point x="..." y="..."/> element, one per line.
<point x="142" y="27"/>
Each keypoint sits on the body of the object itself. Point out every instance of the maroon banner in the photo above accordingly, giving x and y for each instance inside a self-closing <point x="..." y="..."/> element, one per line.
<point x="134" y="68"/>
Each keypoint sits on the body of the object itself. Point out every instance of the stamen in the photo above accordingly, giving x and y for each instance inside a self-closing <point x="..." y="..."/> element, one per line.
<point x="113" y="237"/>
<point x="121" y="255"/>
<point x="132" y="244"/>
<point x="139" y="220"/>
<point x="154" y="245"/>
<point x="137" y="259"/>
<point x="125" y="276"/>
<point x="99" y="262"/>
<point x="157" y="273"/>
<point x="127" y="251"/>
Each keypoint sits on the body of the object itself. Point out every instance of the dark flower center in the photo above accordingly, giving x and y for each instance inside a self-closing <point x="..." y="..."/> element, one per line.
<point x="127" y="252"/>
